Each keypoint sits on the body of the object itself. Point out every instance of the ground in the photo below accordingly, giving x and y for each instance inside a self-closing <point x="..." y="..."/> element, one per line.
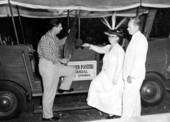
<point x="85" y="114"/>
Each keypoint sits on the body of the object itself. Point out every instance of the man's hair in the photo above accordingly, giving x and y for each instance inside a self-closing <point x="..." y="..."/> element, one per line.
<point x="54" y="22"/>
<point x="137" y="22"/>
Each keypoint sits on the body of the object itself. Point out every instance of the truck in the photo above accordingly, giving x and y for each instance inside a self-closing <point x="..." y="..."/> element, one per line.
<point x="19" y="83"/>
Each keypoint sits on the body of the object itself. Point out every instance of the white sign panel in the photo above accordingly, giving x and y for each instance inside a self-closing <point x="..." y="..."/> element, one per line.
<point x="86" y="70"/>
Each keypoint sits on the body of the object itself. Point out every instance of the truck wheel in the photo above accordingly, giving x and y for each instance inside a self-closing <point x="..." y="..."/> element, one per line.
<point x="152" y="90"/>
<point x="12" y="100"/>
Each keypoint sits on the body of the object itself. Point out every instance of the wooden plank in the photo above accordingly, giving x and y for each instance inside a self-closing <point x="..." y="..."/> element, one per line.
<point x="75" y="103"/>
<point x="149" y="22"/>
<point x="38" y="92"/>
<point x="38" y="109"/>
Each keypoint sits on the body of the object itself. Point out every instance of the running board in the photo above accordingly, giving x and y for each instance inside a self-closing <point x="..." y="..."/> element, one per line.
<point x="38" y="109"/>
<point x="146" y="118"/>
<point x="36" y="94"/>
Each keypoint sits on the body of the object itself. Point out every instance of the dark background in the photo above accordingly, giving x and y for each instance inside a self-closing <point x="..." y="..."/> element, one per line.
<point x="91" y="29"/>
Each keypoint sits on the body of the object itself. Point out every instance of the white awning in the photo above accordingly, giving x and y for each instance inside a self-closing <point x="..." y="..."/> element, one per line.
<point x="86" y="8"/>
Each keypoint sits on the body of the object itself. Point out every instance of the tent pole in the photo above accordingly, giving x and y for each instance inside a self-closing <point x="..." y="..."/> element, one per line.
<point x="16" y="35"/>
<point x="78" y="25"/>
<point x="23" y="35"/>
<point x="68" y="19"/>
<point x="138" y="10"/>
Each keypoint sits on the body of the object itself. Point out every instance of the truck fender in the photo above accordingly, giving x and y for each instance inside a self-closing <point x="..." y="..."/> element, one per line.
<point x="166" y="82"/>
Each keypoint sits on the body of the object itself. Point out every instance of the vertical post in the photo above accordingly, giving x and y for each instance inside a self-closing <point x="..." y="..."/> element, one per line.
<point x="113" y="20"/>
<point x="138" y="10"/>
<point x="16" y="35"/>
<point x="23" y="35"/>
<point x="68" y="19"/>
<point x="149" y="22"/>
<point x="78" y="25"/>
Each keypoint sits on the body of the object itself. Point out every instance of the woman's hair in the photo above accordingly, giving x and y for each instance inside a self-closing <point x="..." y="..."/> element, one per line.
<point x="54" y="22"/>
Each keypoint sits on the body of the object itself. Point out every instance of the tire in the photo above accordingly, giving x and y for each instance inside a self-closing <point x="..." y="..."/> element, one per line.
<point x="152" y="90"/>
<point x="12" y="100"/>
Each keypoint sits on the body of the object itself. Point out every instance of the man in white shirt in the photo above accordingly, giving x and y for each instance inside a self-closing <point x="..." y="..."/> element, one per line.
<point x="134" y="69"/>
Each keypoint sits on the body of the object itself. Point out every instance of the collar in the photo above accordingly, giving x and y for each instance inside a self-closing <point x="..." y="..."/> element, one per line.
<point x="51" y="34"/>
<point x="136" y="34"/>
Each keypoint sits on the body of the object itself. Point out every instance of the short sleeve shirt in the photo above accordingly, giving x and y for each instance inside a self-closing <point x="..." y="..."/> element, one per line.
<point x="49" y="47"/>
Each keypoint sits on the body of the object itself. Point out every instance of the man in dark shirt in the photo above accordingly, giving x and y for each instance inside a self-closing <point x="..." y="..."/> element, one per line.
<point x="51" y="67"/>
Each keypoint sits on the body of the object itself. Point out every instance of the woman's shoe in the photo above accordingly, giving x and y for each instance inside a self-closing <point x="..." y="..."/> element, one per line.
<point x="112" y="117"/>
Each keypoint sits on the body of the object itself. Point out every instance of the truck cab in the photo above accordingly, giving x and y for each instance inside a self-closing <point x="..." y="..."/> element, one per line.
<point x="19" y="81"/>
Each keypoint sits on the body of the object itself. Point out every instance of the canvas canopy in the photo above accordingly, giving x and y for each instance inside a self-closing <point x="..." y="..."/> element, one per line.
<point x="90" y="5"/>
<point x="85" y="8"/>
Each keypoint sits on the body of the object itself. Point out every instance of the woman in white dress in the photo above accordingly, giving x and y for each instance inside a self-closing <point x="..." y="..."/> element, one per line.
<point x="105" y="91"/>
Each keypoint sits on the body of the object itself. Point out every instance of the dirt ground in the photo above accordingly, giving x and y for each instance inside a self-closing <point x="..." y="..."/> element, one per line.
<point x="85" y="114"/>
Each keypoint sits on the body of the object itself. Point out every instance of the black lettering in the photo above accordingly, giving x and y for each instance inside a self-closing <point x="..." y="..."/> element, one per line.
<point x="88" y="66"/>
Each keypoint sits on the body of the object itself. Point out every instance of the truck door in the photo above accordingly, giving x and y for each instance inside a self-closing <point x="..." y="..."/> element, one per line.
<point x="1" y="70"/>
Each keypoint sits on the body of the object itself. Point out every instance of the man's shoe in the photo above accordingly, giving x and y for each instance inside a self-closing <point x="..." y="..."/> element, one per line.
<point x="53" y="119"/>
<point x="62" y="90"/>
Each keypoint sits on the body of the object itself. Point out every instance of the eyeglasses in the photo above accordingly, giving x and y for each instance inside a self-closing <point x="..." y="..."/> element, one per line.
<point x="111" y="36"/>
